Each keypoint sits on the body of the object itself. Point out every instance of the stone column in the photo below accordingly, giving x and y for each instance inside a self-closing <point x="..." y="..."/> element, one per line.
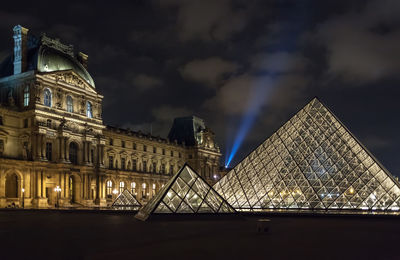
<point x="43" y="143"/>
<point x="38" y="147"/>
<point x="66" y="150"/>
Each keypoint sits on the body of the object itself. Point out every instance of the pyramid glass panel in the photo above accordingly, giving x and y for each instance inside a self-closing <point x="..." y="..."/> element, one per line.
<point x="186" y="192"/>
<point x="311" y="162"/>
<point x="126" y="201"/>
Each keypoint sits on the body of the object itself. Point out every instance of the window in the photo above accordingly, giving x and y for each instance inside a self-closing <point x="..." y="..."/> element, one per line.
<point x="89" y="110"/>
<point x="48" y="123"/>
<point x="190" y="156"/>
<point x="49" y="151"/>
<point x="121" y="186"/>
<point x="110" y="162"/>
<point x="1" y="120"/>
<point x="180" y="155"/>
<point x="47" y="97"/>
<point x="70" y="104"/>
<point x="145" y="148"/>
<point x="163" y="151"/>
<point x="171" y="169"/>
<point x="111" y="141"/>
<point x="123" y="163"/>
<point x="123" y="144"/>
<point x="73" y="153"/>
<point x="133" y="188"/>
<point x="109" y="187"/>
<point x="144" y="190"/>
<point x="163" y="168"/>
<point x="134" y="146"/>
<point x="154" y="167"/>
<point x="153" y="190"/>
<point x="25" y="123"/>
<point x="154" y="150"/>
<point x="26" y="96"/>
<point x="172" y="153"/>
<point x="144" y="166"/>
<point x="92" y="155"/>
<point x="1" y="147"/>
<point x="134" y="165"/>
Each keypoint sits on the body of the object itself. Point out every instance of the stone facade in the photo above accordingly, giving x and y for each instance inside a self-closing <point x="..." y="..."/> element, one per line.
<point x="55" y="148"/>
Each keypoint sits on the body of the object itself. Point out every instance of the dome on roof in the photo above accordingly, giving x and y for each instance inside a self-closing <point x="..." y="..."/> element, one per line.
<point x="49" y="60"/>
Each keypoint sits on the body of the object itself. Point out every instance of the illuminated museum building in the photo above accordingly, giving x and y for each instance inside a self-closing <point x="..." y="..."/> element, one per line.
<point x="54" y="146"/>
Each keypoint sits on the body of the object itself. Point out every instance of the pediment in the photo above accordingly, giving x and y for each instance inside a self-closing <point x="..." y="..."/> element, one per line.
<point x="72" y="78"/>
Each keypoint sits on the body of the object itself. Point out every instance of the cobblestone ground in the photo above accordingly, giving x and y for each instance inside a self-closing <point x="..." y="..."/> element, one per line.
<point x="95" y="235"/>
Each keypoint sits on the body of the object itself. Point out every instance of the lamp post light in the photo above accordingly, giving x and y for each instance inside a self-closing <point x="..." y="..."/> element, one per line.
<point x="23" y="198"/>
<point x="58" y="190"/>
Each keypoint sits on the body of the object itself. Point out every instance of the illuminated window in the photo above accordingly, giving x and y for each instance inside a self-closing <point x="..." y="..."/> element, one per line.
<point x="47" y="97"/>
<point x="109" y="187"/>
<point x="70" y="104"/>
<point x="121" y="186"/>
<point x="133" y="188"/>
<point x="144" y="190"/>
<point x="26" y="96"/>
<point x="89" y="110"/>
<point x="153" y="191"/>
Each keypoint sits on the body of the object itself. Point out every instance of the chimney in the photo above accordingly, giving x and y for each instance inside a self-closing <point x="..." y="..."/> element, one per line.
<point x="20" y="49"/>
<point x="83" y="59"/>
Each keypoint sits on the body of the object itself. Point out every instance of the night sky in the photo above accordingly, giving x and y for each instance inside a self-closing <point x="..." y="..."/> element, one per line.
<point x="156" y="60"/>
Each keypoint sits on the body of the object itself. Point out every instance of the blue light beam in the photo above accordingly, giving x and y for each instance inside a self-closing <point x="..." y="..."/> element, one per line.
<point x="256" y="100"/>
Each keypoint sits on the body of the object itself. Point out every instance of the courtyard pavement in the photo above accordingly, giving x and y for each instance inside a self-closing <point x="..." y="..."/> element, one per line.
<point x="34" y="234"/>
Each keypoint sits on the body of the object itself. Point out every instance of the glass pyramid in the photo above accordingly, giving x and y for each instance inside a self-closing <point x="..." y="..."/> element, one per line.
<point x="185" y="192"/>
<point x="125" y="201"/>
<point x="311" y="162"/>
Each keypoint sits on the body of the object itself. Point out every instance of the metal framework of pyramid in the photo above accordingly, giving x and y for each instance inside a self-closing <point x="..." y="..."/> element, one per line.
<point x="311" y="162"/>
<point x="186" y="192"/>
<point x="126" y="200"/>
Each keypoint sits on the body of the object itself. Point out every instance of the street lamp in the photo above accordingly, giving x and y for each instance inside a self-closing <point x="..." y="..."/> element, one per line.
<point x="23" y="198"/>
<point x="58" y="190"/>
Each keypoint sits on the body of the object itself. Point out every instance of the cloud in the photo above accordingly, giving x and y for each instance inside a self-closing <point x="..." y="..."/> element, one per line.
<point x="363" y="46"/>
<point x="207" y="20"/>
<point x="164" y="116"/>
<point x="279" y="62"/>
<point x="145" y="82"/>
<point x="208" y="71"/>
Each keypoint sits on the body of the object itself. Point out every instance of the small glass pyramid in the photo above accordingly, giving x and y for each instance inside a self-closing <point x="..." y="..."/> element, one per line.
<point x="311" y="162"/>
<point x="186" y="192"/>
<point x="126" y="201"/>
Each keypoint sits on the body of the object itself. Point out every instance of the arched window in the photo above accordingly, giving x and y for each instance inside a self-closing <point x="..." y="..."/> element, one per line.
<point x="73" y="153"/>
<point x="121" y="186"/>
<point x="89" y="111"/>
<point x="12" y="186"/>
<point x="109" y="187"/>
<point x="47" y="97"/>
<point x="70" y="104"/>
<point x="26" y="96"/>
<point x="133" y="188"/>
